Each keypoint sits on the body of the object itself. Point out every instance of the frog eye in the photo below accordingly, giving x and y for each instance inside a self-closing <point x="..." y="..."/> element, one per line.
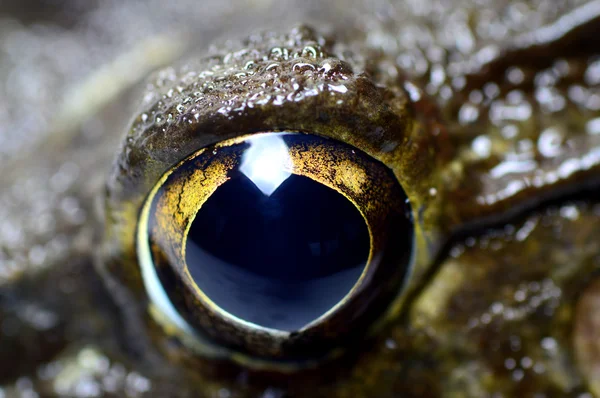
<point x="275" y="245"/>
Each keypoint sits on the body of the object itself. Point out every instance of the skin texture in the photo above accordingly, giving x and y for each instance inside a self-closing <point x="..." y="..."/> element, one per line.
<point x="487" y="113"/>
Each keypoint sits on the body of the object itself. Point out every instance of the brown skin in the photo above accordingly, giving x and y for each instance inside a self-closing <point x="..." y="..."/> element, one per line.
<point x="492" y="308"/>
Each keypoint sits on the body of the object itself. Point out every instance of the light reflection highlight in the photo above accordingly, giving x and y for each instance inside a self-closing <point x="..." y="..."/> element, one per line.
<point x="267" y="163"/>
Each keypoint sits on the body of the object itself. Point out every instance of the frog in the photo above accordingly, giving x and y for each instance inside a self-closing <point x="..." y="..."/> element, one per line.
<point x="490" y="110"/>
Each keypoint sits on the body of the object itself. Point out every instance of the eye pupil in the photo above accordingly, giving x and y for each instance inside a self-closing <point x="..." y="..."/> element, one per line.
<point x="279" y="259"/>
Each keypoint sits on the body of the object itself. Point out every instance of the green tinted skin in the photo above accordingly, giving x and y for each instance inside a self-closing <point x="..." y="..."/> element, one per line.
<point x="488" y="115"/>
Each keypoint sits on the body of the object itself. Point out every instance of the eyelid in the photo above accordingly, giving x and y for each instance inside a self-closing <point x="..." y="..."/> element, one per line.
<point x="370" y="118"/>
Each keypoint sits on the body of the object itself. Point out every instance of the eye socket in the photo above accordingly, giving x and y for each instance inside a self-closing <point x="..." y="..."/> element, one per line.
<point x="281" y="246"/>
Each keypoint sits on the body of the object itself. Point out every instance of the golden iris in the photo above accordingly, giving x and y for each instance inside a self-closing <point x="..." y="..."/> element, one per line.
<point x="281" y="246"/>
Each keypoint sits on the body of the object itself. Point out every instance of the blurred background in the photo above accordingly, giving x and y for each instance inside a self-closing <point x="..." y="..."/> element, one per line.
<point x="56" y="54"/>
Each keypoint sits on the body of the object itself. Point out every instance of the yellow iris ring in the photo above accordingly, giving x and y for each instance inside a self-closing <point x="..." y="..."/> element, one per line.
<point x="178" y="205"/>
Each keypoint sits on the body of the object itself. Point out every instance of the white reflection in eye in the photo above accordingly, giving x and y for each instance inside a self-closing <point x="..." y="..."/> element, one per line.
<point x="267" y="163"/>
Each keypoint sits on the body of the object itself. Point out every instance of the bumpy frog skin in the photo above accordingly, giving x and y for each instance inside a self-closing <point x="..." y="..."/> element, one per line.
<point x="488" y="112"/>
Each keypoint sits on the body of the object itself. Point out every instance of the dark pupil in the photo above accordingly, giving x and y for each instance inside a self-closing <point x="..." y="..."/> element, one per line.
<point x="278" y="261"/>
